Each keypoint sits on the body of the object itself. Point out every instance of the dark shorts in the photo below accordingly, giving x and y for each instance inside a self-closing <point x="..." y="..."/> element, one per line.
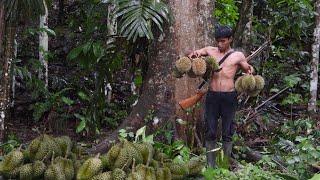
<point x="224" y="105"/>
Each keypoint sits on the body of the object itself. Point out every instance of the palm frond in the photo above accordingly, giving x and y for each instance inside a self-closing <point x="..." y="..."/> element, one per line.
<point x="23" y="9"/>
<point x="137" y="17"/>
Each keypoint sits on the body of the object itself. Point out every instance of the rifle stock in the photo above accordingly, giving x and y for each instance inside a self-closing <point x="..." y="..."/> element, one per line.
<point x="189" y="102"/>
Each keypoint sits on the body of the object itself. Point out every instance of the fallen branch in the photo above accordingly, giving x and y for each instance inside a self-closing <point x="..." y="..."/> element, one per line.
<point x="254" y="112"/>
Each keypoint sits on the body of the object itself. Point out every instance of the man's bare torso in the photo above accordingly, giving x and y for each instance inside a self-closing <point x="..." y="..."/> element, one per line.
<point x="224" y="80"/>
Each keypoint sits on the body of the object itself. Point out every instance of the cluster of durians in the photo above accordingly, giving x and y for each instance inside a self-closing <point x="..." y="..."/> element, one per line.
<point x="59" y="159"/>
<point x="250" y="84"/>
<point x="197" y="67"/>
<point x="46" y="157"/>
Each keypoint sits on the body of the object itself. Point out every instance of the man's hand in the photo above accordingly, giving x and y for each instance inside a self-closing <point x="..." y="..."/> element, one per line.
<point x="194" y="54"/>
<point x="250" y="70"/>
<point x="202" y="91"/>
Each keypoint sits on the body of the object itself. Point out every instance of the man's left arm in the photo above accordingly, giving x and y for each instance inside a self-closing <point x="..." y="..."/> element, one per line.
<point x="245" y="66"/>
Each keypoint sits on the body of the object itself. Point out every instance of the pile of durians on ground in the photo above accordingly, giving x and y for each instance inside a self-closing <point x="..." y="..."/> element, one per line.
<point x="58" y="158"/>
<point x="197" y="67"/>
<point x="250" y="84"/>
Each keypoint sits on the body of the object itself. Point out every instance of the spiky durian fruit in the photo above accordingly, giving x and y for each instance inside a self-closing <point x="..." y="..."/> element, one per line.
<point x="124" y="159"/>
<point x="90" y="168"/>
<point x="54" y="172"/>
<point x="238" y="84"/>
<point x="167" y="173"/>
<point x="11" y="161"/>
<point x="110" y="158"/>
<point x="199" y="66"/>
<point x="103" y="176"/>
<point x="26" y="172"/>
<point x="118" y="174"/>
<point x="133" y="152"/>
<point x="195" y="166"/>
<point x="161" y="157"/>
<point x="67" y="167"/>
<point x="10" y="174"/>
<point x="177" y="73"/>
<point x="155" y="164"/>
<point x="150" y="174"/>
<point x="141" y="170"/>
<point x="183" y="64"/>
<point x="178" y="170"/>
<point x="34" y="146"/>
<point x="43" y="148"/>
<point x="212" y="63"/>
<point x="259" y="82"/>
<point x="65" y="144"/>
<point x="146" y="150"/>
<point x="38" y="168"/>
<point x="135" y="176"/>
<point x="248" y="82"/>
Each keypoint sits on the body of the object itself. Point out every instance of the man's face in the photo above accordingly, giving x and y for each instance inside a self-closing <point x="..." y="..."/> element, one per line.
<point x="224" y="44"/>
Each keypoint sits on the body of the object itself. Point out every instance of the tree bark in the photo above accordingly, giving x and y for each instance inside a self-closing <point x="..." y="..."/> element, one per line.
<point x="244" y="27"/>
<point x="61" y="12"/>
<point x="43" y="45"/>
<point x="6" y="78"/>
<point x="312" y="106"/>
<point x="2" y="29"/>
<point x="191" y="29"/>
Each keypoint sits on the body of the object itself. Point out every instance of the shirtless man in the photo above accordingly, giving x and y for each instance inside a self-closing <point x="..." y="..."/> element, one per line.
<point x="221" y="99"/>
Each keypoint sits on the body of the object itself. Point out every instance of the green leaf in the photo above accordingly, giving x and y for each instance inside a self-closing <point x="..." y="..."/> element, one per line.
<point x="141" y="132"/>
<point x="67" y="100"/>
<point x="74" y="53"/>
<point x="315" y="177"/>
<point x="50" y="32"/>
<point x="86" y="47"/>
<point x="83" y="96"/>
<point x="81" y="126"/>
<point x="292" y="80"/>
<point x="138" y="80"/>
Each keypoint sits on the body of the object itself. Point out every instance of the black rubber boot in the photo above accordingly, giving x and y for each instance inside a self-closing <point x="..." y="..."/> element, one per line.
<point x="227" y="149"/>
<point x="211" y="156"/>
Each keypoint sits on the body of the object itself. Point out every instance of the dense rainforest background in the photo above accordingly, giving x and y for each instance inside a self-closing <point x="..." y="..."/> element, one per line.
<point x="89" y="73"/>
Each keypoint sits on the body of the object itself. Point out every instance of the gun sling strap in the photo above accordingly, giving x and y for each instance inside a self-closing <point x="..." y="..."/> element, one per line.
<point x="220" y="62"/>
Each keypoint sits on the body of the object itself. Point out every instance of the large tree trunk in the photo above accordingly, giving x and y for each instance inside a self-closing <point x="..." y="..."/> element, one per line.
<point x="61" y="12"/>
<point x="191" y="29"/>
<point x="5" y="78"/>
<point x="244" y="27"/>
<point x="43" y="45"/>
<point x="312" y="107"/>
<point x="2" y="28"/>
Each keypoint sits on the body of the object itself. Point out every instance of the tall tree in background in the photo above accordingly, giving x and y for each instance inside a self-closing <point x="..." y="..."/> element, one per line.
<point x="244" y="26"/>
<point x="312" y="107"/>
<point x="191" y="28"/>
<point x="43" y="45"/>
<point x="15" y="11"/>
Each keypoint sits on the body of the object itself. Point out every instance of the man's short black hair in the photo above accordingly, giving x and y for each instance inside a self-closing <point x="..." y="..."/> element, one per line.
<point x="223" y="32"/>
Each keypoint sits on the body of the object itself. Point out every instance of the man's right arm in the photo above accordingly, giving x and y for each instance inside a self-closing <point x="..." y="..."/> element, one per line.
<point x="199" y="52"/>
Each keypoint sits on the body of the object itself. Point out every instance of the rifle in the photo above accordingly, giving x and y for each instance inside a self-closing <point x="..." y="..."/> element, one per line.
<point x="191" y="101"/>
